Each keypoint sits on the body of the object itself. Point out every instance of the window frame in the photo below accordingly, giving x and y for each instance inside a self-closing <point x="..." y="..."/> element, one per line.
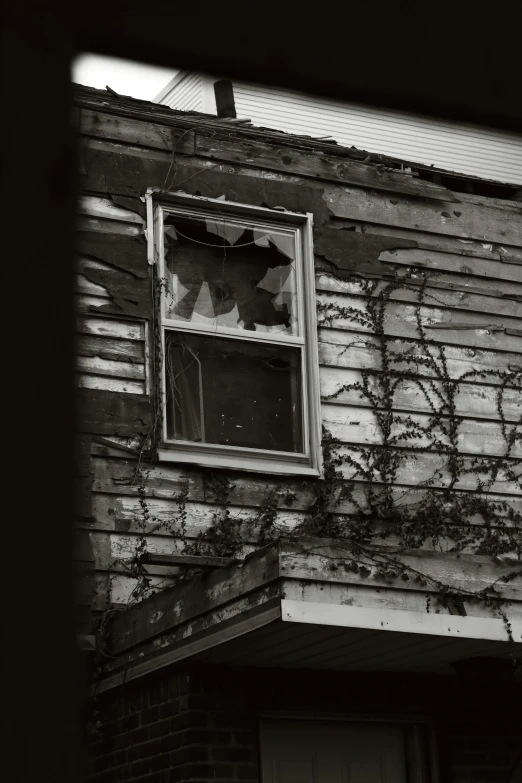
<point x="309" y="463"/>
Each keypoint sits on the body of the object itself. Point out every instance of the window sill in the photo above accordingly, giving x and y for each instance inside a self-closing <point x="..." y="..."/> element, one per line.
<point x="238" y="462"/>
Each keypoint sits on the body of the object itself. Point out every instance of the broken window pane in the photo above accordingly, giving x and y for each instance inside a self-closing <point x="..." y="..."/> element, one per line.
<point x="233" y="392"/>
<point x="220" y="273"/>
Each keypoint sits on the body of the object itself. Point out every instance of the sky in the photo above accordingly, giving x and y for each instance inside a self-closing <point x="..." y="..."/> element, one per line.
<point x="123" y="76"/>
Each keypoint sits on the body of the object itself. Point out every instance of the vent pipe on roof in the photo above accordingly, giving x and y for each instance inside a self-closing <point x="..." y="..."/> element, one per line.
<point x="224" y="92"/>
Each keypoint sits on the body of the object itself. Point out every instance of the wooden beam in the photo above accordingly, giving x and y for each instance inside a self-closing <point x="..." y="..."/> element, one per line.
<point x="188" y="561"/>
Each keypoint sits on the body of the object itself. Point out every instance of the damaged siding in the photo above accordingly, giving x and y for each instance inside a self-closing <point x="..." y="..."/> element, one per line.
<point x="461" y="147"/>
<point x="472" y="306"/>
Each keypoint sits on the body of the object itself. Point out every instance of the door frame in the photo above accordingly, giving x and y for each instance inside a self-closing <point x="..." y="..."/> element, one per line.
<point x="413" y="719"/>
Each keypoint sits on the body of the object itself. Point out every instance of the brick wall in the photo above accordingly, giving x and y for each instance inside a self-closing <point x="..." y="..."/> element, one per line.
<point x="202" y="724"/>
<point x="164" y="730"/>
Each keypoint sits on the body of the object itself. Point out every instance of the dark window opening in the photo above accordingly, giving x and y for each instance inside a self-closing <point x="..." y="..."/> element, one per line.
<point x="233" y="392"/>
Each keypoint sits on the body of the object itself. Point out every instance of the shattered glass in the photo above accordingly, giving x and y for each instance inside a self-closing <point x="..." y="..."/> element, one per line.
<point x="233" y="392"/>
<point x="222" y="274"/>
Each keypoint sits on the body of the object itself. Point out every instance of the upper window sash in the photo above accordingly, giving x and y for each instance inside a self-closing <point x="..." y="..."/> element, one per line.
<point x="201" y="297"/>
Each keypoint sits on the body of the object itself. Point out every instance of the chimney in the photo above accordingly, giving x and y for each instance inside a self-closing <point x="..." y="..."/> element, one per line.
<point x="224" y="92"/>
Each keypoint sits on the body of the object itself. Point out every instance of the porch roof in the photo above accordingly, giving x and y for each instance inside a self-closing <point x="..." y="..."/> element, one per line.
<point x="295" y="604"/>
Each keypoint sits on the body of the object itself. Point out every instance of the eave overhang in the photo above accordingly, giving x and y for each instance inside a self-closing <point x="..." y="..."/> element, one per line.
<point x="293" y="604"/>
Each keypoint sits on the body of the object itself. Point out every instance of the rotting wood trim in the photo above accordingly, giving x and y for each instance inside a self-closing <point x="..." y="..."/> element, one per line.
<point x="191" y="120"/>
<point x="190" y="561"/>
<point x="130" y="174"/>
<point x="222" y="144"/>
<point x="180" y="645"/>
<point x="189" y="600"/>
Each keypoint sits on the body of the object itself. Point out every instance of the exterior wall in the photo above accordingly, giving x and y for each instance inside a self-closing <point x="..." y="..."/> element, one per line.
<point x="464" y="148"/>
<point x="471" y="245"/>
<point x="187" y="95"/>
<point x="203" y="724"/>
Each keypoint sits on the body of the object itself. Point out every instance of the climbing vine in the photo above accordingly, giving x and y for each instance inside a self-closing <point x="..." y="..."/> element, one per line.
<point x="362" y="499"/>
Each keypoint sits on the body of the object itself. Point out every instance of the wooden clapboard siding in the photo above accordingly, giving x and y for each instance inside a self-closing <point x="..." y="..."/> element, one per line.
<point x="465" y="220"/>
<point x="120" y="515"/>
<point x="469" y="248"/>
<point x="477" y="269"/>
<point x="107" y="360"/>
<point x="454" y="299"/>
<point x="103" y="226"/>
<point x="116" y="475"/>
<point x="360" y="426"/>
<point x="478" y="330"/>
<point x="472" y="400"/>
<point x="417" y="469"/>
<point x="343" y="348"/>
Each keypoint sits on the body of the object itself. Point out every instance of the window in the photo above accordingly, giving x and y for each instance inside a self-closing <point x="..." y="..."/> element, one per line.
<point x="239" y="370"/>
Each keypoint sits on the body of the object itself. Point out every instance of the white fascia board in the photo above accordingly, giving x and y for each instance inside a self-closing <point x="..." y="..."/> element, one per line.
<point x="404" y="621"/>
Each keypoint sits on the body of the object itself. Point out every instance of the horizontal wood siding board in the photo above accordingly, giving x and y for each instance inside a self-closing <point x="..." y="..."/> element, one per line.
<point x="110" y="349"/>
<point x="110" y="327"/>
<point x="475" y="270"/>
<point x="112" y="369"/>
<point x="91" y="381"/>
<point x="415" y="469"/>
<point x="476" y="330"/>
<point x="129" y="296"/>
<point x="474" y="221"/>
<point x="344" y="348"/>
<point x="454" y="300"/>
<point x="109" y="413"/>
<point x="441" y="243"/>
<point x="108" y="226"/>
<point x="472" y="400"/>
<point x="106" y="209"/>
<point x="360" y="426"/>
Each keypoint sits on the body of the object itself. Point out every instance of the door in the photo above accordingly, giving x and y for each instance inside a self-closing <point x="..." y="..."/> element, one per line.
<point x="328" y="752"/>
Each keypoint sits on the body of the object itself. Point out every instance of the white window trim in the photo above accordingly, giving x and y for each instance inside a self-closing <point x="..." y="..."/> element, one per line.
<point x="237" y="458"/>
